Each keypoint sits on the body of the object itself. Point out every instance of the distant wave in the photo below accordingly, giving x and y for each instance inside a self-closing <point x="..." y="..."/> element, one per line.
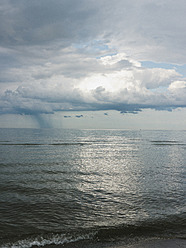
<point x="167" y="143"/>
<point x="41" y="144"/>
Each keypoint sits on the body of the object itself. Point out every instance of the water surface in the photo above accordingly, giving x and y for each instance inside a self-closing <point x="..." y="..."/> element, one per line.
<point x="60" y="186"/>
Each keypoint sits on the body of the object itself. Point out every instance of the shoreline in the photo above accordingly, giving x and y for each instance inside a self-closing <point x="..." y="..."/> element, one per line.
<point x="150" y="243"/>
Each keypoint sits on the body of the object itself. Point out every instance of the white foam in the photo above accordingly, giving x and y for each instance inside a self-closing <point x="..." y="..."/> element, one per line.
<point x="57" y="239"/>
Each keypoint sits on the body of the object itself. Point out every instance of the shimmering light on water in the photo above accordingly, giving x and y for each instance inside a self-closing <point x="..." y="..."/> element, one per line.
<point x="64" y="181"/>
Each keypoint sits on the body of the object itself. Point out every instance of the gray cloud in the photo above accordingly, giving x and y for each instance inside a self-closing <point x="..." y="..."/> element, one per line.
<point x="85" y="55"/>
<point x="156" y="28"/>
<point x="38" y="22"/>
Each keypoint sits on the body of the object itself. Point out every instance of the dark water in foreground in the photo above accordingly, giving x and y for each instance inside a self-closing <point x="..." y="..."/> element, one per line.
<point x="61" y="186"/>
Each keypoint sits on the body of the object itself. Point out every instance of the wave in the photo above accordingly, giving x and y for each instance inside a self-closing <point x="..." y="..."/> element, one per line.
<point x="154" y="142"/>
<point x="167" y="143"/>
<point x="49" y="239"/>
<point x="41" y="144"/>
<point x="172" y="227"/>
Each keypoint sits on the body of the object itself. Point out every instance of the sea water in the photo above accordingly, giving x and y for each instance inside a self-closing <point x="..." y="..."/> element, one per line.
<point x="59" y="186"/>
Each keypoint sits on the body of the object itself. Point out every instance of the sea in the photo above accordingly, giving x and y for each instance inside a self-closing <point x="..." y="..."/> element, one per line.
<point x="71" y="187"/>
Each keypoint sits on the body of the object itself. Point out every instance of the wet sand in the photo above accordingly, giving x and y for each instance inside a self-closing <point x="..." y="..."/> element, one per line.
<point x="154" y="243"/>
<point x="171" y="243"/>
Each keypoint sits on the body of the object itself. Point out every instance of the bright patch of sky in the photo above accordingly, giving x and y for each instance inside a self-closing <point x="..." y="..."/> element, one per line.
<point x="92" y="46"/>
<point x="179" y="68"/>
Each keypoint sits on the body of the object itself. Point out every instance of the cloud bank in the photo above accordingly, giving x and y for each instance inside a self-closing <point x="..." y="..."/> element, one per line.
<point x="86" y="55"/>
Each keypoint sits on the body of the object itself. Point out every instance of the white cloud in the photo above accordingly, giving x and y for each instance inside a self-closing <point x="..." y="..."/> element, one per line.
<point x="127" y="88"/>
<point x="85" y="55"/>
<point x="177" y="85"/>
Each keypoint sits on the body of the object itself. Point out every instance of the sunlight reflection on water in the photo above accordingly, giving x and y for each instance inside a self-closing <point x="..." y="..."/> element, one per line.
<point x="115" y="178"/>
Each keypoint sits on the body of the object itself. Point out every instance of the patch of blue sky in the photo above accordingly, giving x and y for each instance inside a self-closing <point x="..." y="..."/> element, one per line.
<point x="98" y="45"/>
<point x="160" y="89"/>
<point x="181" y="69"/>
<point x="107" y="54"/>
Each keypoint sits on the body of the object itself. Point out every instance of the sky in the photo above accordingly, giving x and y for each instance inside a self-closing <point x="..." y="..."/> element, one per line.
<point x="93" y="64"/>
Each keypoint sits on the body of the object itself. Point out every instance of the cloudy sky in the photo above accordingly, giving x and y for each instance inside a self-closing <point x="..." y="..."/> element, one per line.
<point x="93" y="63"/>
